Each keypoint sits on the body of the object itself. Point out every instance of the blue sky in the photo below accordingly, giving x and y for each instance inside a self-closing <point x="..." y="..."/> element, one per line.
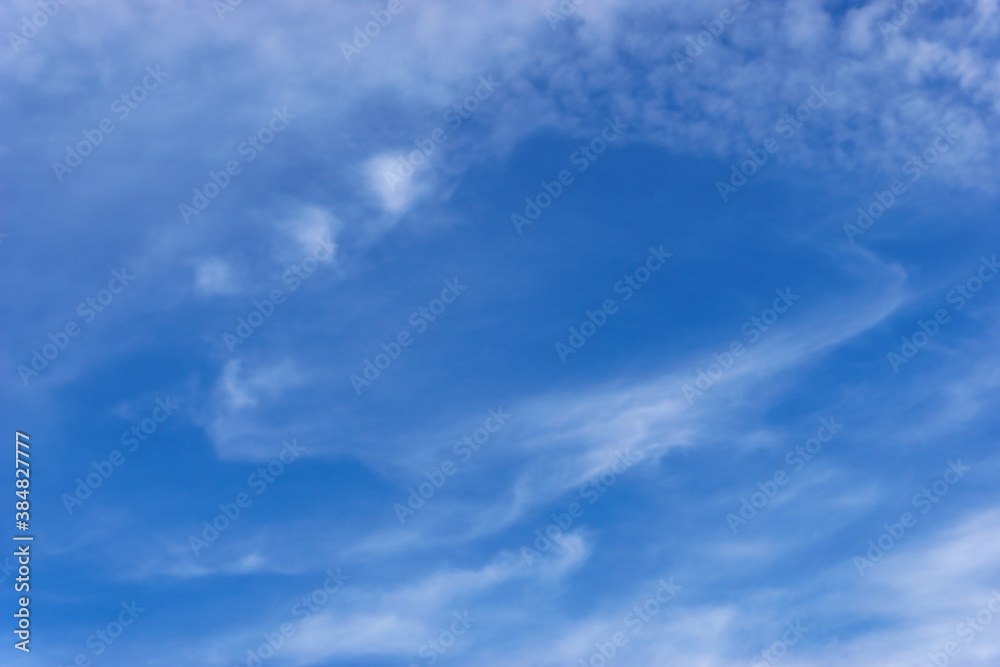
<point x="511" y="333"/>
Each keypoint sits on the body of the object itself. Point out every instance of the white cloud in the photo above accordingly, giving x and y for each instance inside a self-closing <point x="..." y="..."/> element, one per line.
<point x="215" y="276"/>
<point x="313" y="228"/>
<point x="235" y="422"/>
<point x="396" y="192"/>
